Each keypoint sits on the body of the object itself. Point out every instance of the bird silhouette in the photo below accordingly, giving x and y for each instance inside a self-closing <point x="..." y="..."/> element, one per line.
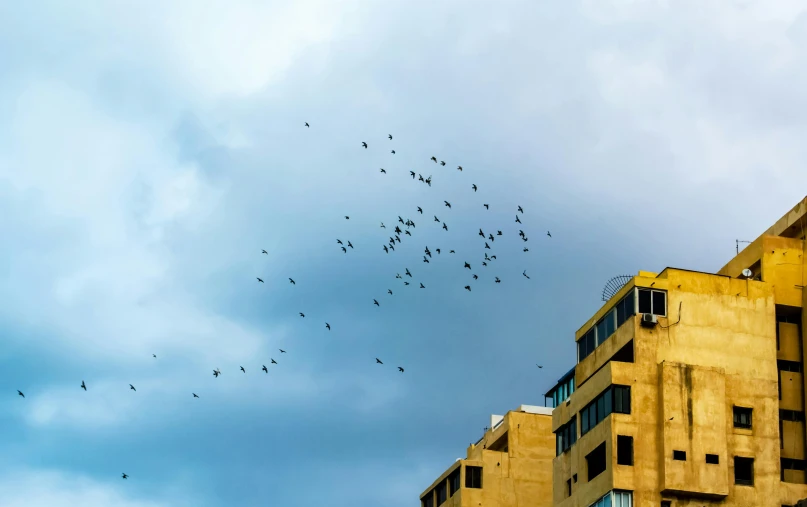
<point x="420" y="177"/>
<point x="390" y="137"/>
<point x="547" y="233"/>
<point x="468" y="288"/>
<point x="486" y="245"/>
<point x="520" y="210"/>
<point x="481" y="233"/>
<point x="448" y="204"/>
<point x="490" y="237"/>
<point x="393" y="152"/>
<point x="525" y="274"/>
<point x="386" y="249"/>
<point x="282" y="351"/>
<point x="376" y="302"/>
<point x="497" y="280"/>
<point x="517" y="220"/>
<point x="302" y="314"/>
<point x="292" y="282"/>
<point x="259" y="279"/>
<point x="451" y="251"/>
<point x="484" y="263"/>
<point x="383" y="171"/>
<point x="327" y="326"/>
<point x="428" y="181"/>
<point x="407" y="233"/>
<point x="350" y="244"/>
<point x="412" y="173"/>
<point x="420" y="210"/>
<point x="487" y="206"/>
<point x="377" y="360"/>
<point x="273" y="361"/>
<point x="400" y="369"/>
<point x="445" y="226"/>
<point x="216" y="373"/>
<point x="264" y="252"/>
<point x="383" y="226"/>
<point x="538" y="365"/>
<point x="347" y="217"/>
<point x="442" y="163"/>
<point x="425" y="259"/>
<point x="476" y="277"/>
<point x="398" y="275"/>
<point x="83" y="385"/>
<point x="474" y="187"/>
<point x="307" y="125"/>
<point x="406" y="283"/>
<point x="124" y="476"/>
<point x="422" y="286"/>
<point x="459" y="168"/>
<point x="437" y="250"/>
<point x="498" y="233"/>
<point x="408" y="273"/>
<point x="364" y="144"/>
<point x="20" y="393"/>
<point x="195" y="395"/>
<point x="344" y="250"/>
<point x="434" y="159"/>
<point x="467" y="266"/>
<point x="242" y="369"/>
<point x="265" y="370"/>
<point x="132" y="388"/>
<point x="436" y="219"/>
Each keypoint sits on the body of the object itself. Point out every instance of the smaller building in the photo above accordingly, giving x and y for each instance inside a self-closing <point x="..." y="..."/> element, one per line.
<point x="510" y="466"/>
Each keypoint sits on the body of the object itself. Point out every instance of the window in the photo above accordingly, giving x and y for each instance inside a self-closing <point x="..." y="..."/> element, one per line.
<point x="574" y="478"/>
<point x="568" y="488"/>
<point x="624" y="450"/>
<point x="587" y="344"/>
<point x="791" y="366"/>
<point x="454" y="481"/>
<point x="742" y="417"/>
<point x="441" y="493"/>
<point x="680" y="455"/>
<point x="566" y="436"/>
<point x="712" y="459"/>
<point x="743" y="471"/>
<point x="473" y="477"/>
<point x="595" y="461"/>
<point x="666" y="503"/>
<point x="615" y="498"/>
<point x="791" y="464"/>
<point x="653" y="301"/>
<point x="791" y="415"/>
<point x="428" y="500"/>
<point x="613" y="399"/>
<point x="606" y="326"/>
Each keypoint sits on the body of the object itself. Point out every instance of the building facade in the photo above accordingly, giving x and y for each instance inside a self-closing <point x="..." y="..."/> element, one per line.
<point x="510" y="466"/>
<point x="689" y="387"/>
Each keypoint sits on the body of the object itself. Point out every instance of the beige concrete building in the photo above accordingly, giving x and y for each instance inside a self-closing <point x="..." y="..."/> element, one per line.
<point x="689" y="386"/>
<point x="510" y="466"/>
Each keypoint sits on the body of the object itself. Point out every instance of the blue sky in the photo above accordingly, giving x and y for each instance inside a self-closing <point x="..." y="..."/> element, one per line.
<point x="150" y="150"/>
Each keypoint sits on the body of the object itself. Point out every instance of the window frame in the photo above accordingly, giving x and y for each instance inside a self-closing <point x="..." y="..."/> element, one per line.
<point x="470" y="476"/>
<point x="737" y="415"/>
<point x="748" y="460"/>
<point x="621" y="458"/>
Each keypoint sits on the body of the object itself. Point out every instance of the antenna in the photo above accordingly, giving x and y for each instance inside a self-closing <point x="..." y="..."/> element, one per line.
<point x="737" y="244"/>
<point x="613" y="285"/>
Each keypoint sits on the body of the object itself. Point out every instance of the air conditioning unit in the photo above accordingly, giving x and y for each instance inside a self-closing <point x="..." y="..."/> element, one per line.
<point x="649" y="320"/>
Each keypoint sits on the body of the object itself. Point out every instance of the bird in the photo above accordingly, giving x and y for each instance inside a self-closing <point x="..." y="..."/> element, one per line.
<point x="347" y="217"/>
<point x="386" y="249"/>
<point x="292" y="282"/>
<point x="525" y="238"/>
<point x="407" y="233"/>
<point x="264" y="252"/>
<point x="242" y="369"/>
<point x="406" y="283"/>
<point x="154" y="355"/>
<point x="517" y="220"/>
<point x="487" y="206"/>
<point x="498" y="233"/>
<point x="389" y="291"/>
<point x="442" y="163"/>
<point x="20" y="393"/>
<point x="83" y="385"/>
<point x="265" y="370"/>
<point x="445" y="226"/>
<point x="526" y="249"/>
<point x="467" y="266"/>
<point x="425" y="259"/>
<point x="124" y="476"/>
<point x="428" y="181"/>
<point x="327" y="326"/>
<point x="476" y="277"/>
<point x="393" y="152"/>
<point x="383" y="171"/>
<point x="375" y="302"/>
<point x="420" y="177"/>
<point x="451" y="251"/>
<point x="538" y="365"/>
<point x="398" y="275"/>
<point x="436" y="219"/>
<point x="307" y="125"/>
<point x="400" y="369"/>
<point x="486" y="256"/>
<point x="412" y="173"/>
<point x="481" y="233"/>
<point x="490" y="237"/>
<point x="259" y="279"/>
<point x="448" y="204"/>
<point x="408" y="273"/>
<point x="422" y="286"/>
<point x="132" y="388"/>
<point x="390" y="137"/>
<point x="486" y="245"/>
<point x="521" y="233"/>
<point x="459" y="168"/>
<point x="282" y="351"/>
<point x="401" y="219"/>
<point x="383" y="226"/>
<point x="272" y="361"/>
<point x="344" y="250"/>
<point x="525" y="274"/>
<point x="547" y="233"/>
<point x="484" y="263"/>
<point x="216" y="373"/>
<point x="350" y="244"/>
<point x="364" y="144"/>
<point x="497" y="280"/>
<point x="195" y="395"/>
<point x="434" y="159"/>
<point x="437" y="250"/>
<point x="420" y="210"/>
<point x="520" y="210"/>
<point x="474" y="187"/>
<point x="339" y="241"/>
<point x="377" y="360"/>
<point x="468" y="288"/>
<point x="493" y="257"/>
<point x="302" y="314"/>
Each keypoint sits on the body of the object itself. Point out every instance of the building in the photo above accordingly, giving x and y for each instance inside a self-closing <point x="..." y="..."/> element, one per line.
<point x="510" y="466"/>
<point x="689" y="387"/>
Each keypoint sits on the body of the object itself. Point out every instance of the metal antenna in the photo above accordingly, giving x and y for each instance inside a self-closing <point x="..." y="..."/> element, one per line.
<point x="737" y="244"/>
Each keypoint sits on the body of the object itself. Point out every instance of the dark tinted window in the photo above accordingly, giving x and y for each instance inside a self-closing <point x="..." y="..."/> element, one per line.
<point x="473" y="477"/>
<point x="742" y="417"/>
<point x="645" y="303"/>
<point x="743" y="471"/>
<point x="624" y="450"/>
<point x="428" y="500"/>
<point x="454" y="481"/>
<point x="441" y="493"/>
<point x="791" y="415"/>
<point x="659" y="302"/>
<point x="679" y="455"/>
<point x="712" y="459"/>
<point x="595" y="461"/>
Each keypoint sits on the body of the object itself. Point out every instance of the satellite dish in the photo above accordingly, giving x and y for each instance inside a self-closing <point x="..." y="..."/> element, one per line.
<point x="613" y="286"/>
<point x="747" y="273"/>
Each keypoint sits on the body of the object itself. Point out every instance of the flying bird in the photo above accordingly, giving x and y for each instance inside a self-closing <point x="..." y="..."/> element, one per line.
<point x="195" y="395"/>
<point x="434" y="159"/>
<point x="490" y="237"/>
<point x="445" y="226"/>
<point x="420" y="177"/>
<point x="393" y="152"/>
<point x="282" y="351"/>
<point x="486" y="245"/>
<point x="459" y="168"/>
<point x="264" y="252"/>
<point x="383" y="171"/>
<point x="487" y="206"/>
<point x="292" y="282"/>
<point x="437" y="250"/>
<point x="420" y="210"/>
<point x="389" y="291"/>
<point x="327" y="326"/>
<point x="344" y="250"/>
<point x="547" y="233"/>
<point x="497" y="280"/>
<point x="20" y="393"/>
<point x="538" y="365"/>
<point x="154" y="355"/>
<point x="520" y="210"/>
<point x="406" y="283"/>
<point x="436" y="219"/>
<point x="376" y="302"/>
<point x="467" y="266"/>
<point x="474" y="187"/>
<point x="476" y="277"/>
<point x="302" y="314"/>
<point x="408" y="273"/>
<point x="347" y="217"/>
<point x="428" y="181"/>
<point x="498" y="233"/>
<point x="517" y="220"/>
<point x="216" y="373"/>
<point x="407" y="233"/>
<point x="398" y="275"/>
<point x="451" y="251"/>
<point x="242" y="369"/>
<point x="484" y="263"/>
<point x="364" y="144"/>
<point x="400" y="369"/>
<point x="383" y="226"/>
<point x="448" y="204"/>
<point x="412" y="173"/>
<point x="377" y="360"/>
<point x="83" y="385"/>
<point x="386" y="249"/>
<point x="124" y="476"/>
<point x="307" y="125"/>
<point x="521" y="233"/>
<point x="425" y="259"/>
<point x="265" y="370"/>
<point x="525" y="274"/>
<point x="259" y="279"/>
<point x="468" y="288"/>
<point x="422" y="286"/>
<point x="526" y="249"/>
<point x="350" y="244"/>
<point x="390" y="137"/>
<point x="481" y="233"/>
<point x="132" y="388"/>
<point x="442" y="163"/>
<point x="273" y="361"/>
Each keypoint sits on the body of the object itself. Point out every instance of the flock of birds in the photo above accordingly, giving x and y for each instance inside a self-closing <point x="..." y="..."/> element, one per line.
<point x="395" y="238"/>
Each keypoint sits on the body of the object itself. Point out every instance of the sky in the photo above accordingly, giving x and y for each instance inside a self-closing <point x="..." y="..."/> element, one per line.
<point x="150" y="150"/>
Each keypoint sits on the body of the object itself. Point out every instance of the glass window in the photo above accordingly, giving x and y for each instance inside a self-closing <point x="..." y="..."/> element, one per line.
<point x="629" y="309"/>
<point x="620" y="313"/>
<point x="610" y="324"/>
<point x="581" y="349"/>
<point x="591" y="341"/>
<point x="601" y="335"/>
<point x="584" y="421"/>
<point x="441" y="493"/>
<point x="618" y="401"/>
<point x="592" y="415"/>
<point x="608" y="402"/>
<point x="454" y="481"/>
<point x="659" y="302"/>
<point x="645" y="304"/>
<point x="600" y="408"/>
<point x="473" y="477"/>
